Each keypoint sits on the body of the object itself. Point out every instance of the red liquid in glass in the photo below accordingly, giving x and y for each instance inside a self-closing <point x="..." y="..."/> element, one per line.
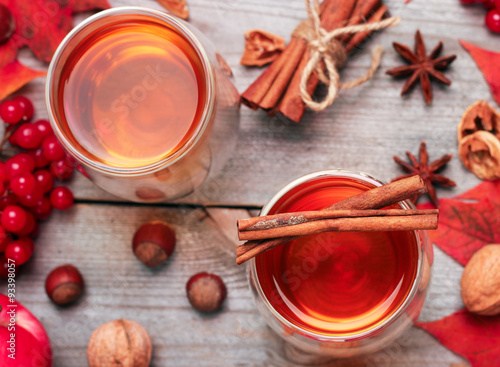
<point x="132" y="93"/>
<point x="337" y="283"/>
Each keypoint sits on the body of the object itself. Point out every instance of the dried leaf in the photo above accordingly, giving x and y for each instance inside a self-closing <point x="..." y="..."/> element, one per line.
<point x="178" y="7"/>
<point x="223" y="65"/>
<point x="41" y="25"/>
<point x="15" y="75"/>
<point x="474" y="337"/>
<point x="261" y="48"/>
<point x="489" y="63"/>
<point x="469" y="221"/>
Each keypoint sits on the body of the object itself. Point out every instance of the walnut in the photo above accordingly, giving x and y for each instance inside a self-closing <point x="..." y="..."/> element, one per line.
<point x="481" y="281"/>
<point x="479" y="140"/>
<point x="119" y="343"/>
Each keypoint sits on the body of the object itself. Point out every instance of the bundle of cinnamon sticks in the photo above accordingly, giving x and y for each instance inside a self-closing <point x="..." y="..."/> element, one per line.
<point x="277" y="90"/>
<point x="357" y="213"/>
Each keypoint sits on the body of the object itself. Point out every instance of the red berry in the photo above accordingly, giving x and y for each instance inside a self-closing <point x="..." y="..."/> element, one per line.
<point x="13" y="218"/>
<point x="42" y="209"/>
<point x="23" y="184"/>
<point x="62" y="169"/>
<point x="26" y="160"/>
<point x="20" y="251"/>
<point x="52" y="150"/>
<point x="3" y="188"/>
<point x="32" y="198"/>
<point x="12" y="136"/>
<point x="7" y="24"/>
<point x="36" y="230"/>
<point x="4" y="267"/>
<point x="497" y="4"/>
<point x="4" y="239"/>
<point x="39" y="157"/>
<point x="9" y="199"/>
<point x="61" y="198"/>
<point x="488" y="4"/>
<point x="28" y="136"/>
<point x="492" y="20"/>
<point x="44" y="180"/>
<point x="80" y="169"/>
<point x="11" y="112"/>
<point x="15" y="167"/>
<point x="44" y="128"/>
<point x="3" y="173"/>
<point x="28" y="227"/>
<point x="27" y="107"/>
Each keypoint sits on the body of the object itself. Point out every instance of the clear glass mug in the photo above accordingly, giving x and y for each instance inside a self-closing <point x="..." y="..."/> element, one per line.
<point x="181" y="171"/>
<point x="367" y="340"/>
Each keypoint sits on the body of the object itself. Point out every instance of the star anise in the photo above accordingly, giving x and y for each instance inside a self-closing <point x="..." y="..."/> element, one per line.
<point x="428" y="171"/>
<point x="421" y="67"/>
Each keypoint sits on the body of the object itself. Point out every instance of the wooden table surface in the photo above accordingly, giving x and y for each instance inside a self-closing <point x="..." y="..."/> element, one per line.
<point x="362" y="131"/>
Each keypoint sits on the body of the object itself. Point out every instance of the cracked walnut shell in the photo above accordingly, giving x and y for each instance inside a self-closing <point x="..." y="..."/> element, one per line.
<point x="479" y="140"/>
<point x="119" y="343"/>
<point x="481" y="281"/>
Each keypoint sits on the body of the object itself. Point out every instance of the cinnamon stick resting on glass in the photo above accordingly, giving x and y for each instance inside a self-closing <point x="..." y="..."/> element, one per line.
<point x="376" y="198"/>
<point x="313" y="222"/>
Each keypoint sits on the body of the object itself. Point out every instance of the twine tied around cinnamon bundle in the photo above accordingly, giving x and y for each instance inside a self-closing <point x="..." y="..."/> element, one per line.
<point x="326" y="49"/>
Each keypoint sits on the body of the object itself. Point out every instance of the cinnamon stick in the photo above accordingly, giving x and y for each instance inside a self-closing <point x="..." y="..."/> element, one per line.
<point x="266" y="91"/>
<point x="334" y="16"/>
<point x="282" y="80"/>
<point x="375" y="198"/>
<point x="256" y="92"/>
<point x="360" y="37"/>
<point x="291" y="219"/>
<point x="348" y="224"/>
<point x="277" y="89"/>
<point x="361" y="13"/>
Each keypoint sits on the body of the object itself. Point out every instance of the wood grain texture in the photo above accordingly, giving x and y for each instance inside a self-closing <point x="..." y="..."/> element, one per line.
<point x="361" y="131"/>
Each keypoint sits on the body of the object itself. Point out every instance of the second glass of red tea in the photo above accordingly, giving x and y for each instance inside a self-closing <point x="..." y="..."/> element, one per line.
<point x="137" y="97"/>
<point x="340" y="294"/>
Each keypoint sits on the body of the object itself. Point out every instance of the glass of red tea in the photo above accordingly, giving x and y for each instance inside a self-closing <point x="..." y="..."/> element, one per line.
<point x="141" y="100"/>
<point x="340" y="294"/>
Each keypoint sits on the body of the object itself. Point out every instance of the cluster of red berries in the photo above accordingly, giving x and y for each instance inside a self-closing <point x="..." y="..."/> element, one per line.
<point x="27" y="194"/>
<point x="492" y="19"/>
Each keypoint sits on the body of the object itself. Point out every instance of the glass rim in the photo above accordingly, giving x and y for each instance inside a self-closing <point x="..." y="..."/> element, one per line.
<point x="336" y="338"/>
<point x="203" y="122"/>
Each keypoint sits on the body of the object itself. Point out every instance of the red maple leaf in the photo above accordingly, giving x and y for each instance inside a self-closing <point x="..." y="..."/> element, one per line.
<point x="489" y="63"/>
<point x="41" y="25"/>
<point x="474" y="337"/>
<point x="469" y="221"/>
<point x="14" y="75"/>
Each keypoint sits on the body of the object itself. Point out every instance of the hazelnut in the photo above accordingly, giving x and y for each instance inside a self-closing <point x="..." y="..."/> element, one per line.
<point x="119" y="343"/>
<point x="153" y="243"/>
<point x="206" y="292"/>
<point x="481" y="281"/>
<point x="64" y="284"/>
